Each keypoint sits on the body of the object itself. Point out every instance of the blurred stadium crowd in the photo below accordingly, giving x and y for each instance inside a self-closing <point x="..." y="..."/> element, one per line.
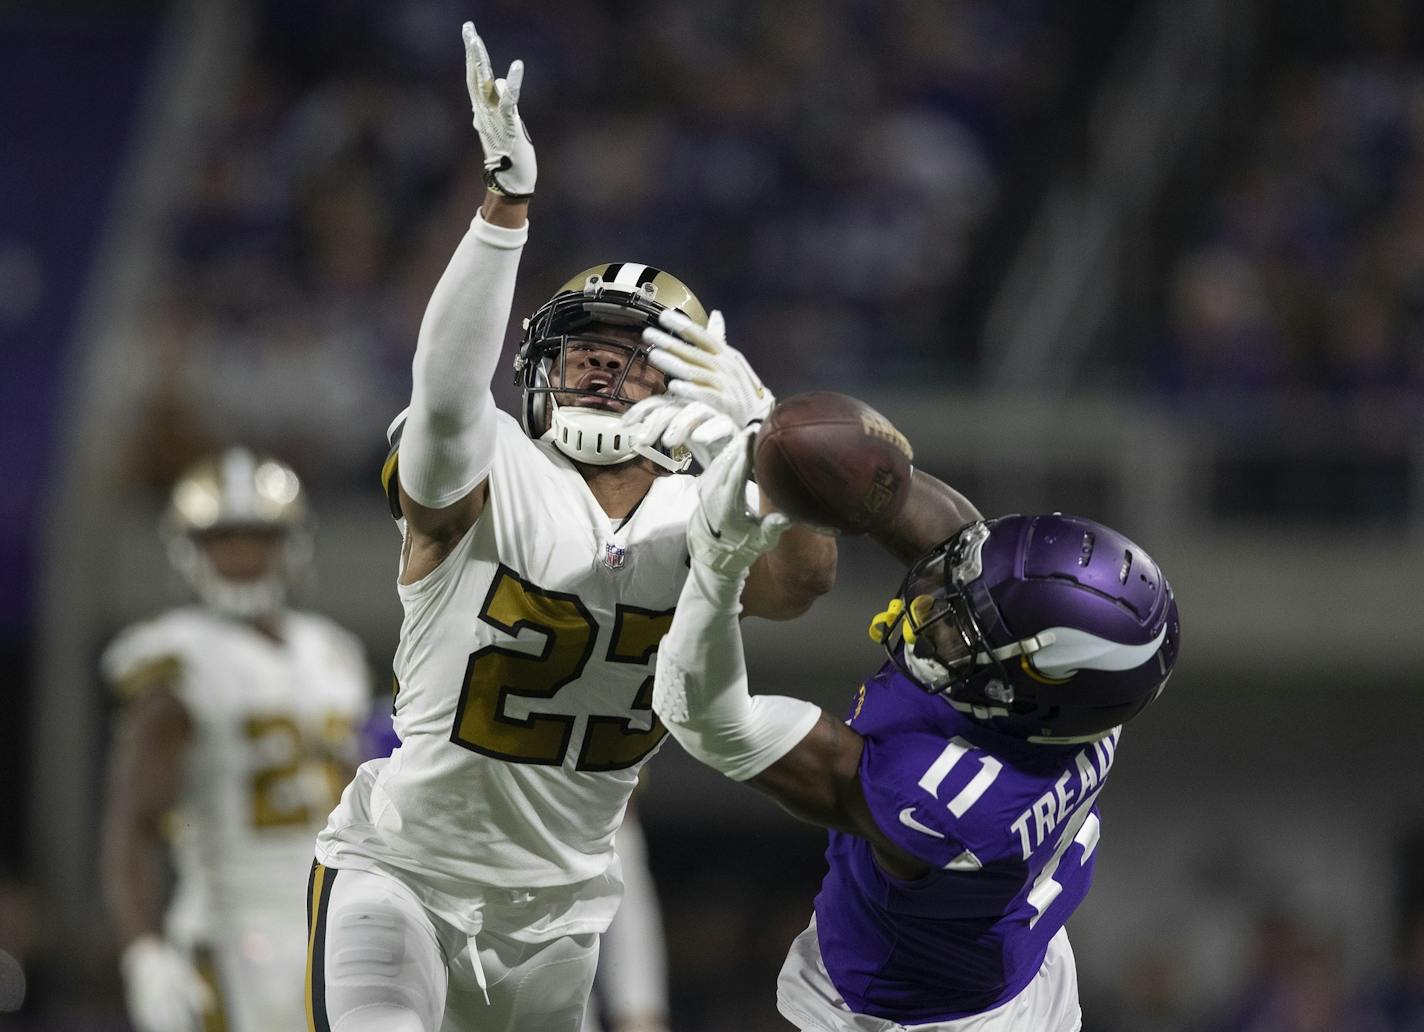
<point x="847" y="181"/>
<point x="822" y="172"/>
<point x="1305" y="266"/>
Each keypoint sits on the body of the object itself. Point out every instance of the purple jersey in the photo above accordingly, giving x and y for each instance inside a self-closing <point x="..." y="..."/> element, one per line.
<point x="1010" y="827"/>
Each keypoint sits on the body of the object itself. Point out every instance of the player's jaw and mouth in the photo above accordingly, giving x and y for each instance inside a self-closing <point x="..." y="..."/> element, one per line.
<point x="612" y="385"/>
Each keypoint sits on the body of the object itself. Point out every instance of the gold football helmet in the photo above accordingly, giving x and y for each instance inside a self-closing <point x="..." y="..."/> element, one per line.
<point x="234" y="490"/>
<point x="619" y="294"/>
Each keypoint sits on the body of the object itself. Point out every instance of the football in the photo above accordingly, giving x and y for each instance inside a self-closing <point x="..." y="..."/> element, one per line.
<point x="834" y="462"/>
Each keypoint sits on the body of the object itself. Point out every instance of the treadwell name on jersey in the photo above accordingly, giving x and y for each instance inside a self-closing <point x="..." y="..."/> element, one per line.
<point x="1067" y="794"/>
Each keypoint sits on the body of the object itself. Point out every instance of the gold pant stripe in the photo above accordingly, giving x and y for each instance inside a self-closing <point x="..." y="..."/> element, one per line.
<point x="215" y="1018"/>
<point x="318" y="895"/>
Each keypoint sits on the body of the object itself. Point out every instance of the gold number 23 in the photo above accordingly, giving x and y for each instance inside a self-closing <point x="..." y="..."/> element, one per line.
<point x="495" y="675"/>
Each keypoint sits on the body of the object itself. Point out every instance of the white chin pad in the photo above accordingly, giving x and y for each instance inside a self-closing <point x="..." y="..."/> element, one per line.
<point x="587" y="435"/>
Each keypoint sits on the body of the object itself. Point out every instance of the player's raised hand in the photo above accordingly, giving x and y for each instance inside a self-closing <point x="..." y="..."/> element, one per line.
<point x="702" y="367"/>
<point x="670" y="423"/>
<point x="162" y="989"/>
<point x="725" y="535"/>
<point x="510" y="168"/>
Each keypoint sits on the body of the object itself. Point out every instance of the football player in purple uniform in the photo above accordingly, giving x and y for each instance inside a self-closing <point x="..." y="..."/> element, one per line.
<point x="961" y="793"/>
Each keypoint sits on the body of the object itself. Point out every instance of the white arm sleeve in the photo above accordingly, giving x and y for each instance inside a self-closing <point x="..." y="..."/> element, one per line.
<point x="632" y="968"/>
<point x="701" y="687"/>
<point x="448" y="442"/>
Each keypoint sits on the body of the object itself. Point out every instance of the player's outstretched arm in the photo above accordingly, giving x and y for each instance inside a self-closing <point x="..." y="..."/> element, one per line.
<point x="788" y="748"/>
<point x="783" y="583"/>
<point x="932" y="513"/>
<point x="700" y="691"/>
<point x="818" y="781"/>
<point x="447" y="444"/>
<point x="163" y="992"/>
<point x="145" y="768"/>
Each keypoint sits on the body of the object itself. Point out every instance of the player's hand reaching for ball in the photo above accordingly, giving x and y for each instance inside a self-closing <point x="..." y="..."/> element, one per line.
<point x="713" y="392"/>
<point x="725" y="535"/>
<point x="510" y="168"/>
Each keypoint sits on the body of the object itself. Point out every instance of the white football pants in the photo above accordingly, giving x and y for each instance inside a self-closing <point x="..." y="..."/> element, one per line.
<point x="378" y="961"/>
<point x="807" y="997"/>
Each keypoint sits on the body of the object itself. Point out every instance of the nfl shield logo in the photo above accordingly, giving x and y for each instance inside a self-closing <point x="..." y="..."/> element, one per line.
<point x="613" y="555"/>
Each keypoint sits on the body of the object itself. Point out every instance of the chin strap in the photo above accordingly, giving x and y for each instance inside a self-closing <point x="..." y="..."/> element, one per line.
<point x="1022" y="647"/>
<point x="678" y="461"/>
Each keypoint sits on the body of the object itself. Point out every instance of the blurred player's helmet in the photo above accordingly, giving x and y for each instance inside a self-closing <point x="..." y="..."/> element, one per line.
<point x="1051" y="628"/>
<point x="237" y="489"/>
<point x="621" y="294"/>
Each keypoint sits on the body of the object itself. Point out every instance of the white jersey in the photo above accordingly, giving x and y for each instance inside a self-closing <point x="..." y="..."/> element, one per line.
<point x="273" y="743"/>
<point x="524" y="706"/>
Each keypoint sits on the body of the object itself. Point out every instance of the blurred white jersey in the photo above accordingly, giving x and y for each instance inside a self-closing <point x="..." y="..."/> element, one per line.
<point x="524" y="704"/>
<point x="273" y="739"/>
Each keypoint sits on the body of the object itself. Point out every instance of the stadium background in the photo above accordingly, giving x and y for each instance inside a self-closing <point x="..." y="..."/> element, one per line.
<point x="1160" y="262"/>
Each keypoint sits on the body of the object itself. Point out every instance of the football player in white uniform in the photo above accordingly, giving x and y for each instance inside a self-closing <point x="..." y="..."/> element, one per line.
<point x="463" y="882"/>
<point x="236" y="736"/>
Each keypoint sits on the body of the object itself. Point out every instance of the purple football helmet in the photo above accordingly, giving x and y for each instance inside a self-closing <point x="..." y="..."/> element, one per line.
<point x="1051" y="628"/>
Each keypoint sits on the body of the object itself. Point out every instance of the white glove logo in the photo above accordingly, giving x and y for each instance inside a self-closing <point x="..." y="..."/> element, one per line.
<point x="510" y="168"/>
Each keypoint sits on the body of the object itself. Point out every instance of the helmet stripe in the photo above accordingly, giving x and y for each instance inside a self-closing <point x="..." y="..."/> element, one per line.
<point x="628" y="274"/>
<point x="649" y="274"/>
<point x="610" y="274"/>
<point x="237" y="482"/>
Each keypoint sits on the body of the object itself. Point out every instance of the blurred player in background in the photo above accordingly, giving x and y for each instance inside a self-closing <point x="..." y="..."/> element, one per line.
<point x="962" y="791"/>
<point x="463" y="882"/>
<point x="236" y="736"/>
<point x="630" y="990"/>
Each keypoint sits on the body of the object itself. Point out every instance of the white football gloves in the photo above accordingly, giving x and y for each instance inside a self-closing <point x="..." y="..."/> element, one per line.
<point x="712" y="390"/>
<point x="162" y="989"/>
<point x="510" y="168"/>
<point x="668" y="423"/>
<point x="725" y="535"/>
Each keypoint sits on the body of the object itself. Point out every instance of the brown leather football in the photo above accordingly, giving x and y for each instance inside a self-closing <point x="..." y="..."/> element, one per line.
<point x="832" y="461"/>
